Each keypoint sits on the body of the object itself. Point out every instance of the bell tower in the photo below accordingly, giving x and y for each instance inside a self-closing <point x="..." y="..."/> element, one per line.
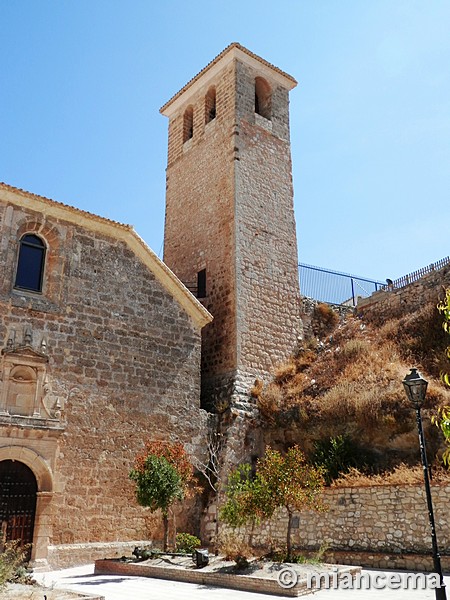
<point x="230" y="226"/>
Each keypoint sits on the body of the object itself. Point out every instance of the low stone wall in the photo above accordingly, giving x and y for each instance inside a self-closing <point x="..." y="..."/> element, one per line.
<point x="260" y="583"/>
<point x="384" y="305"/>
<point x="377" y="526"/>
<point x="71" y="555"/>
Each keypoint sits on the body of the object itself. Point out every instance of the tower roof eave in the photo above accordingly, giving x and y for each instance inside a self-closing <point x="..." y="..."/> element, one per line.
<point x="233" y="51"/>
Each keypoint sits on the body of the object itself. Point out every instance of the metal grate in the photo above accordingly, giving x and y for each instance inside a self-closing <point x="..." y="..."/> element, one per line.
<point x="334" y="287"/>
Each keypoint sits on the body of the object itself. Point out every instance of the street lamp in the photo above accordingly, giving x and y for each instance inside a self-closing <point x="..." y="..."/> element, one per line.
<point x="416" y="389"/>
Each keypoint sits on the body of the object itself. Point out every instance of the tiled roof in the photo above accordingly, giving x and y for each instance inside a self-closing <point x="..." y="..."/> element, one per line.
<point x="216" y="60"/>
<point x="86" y="213"/>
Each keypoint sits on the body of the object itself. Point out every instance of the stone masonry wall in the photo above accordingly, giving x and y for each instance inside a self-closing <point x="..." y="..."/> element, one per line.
<point x="383" y="305"/>
<point x="268" y="293"/>
<point x="199" y="226"/>
<point x="371" y="522"/>
<point x="229" y="209"/>
<point x="127" y="359"/>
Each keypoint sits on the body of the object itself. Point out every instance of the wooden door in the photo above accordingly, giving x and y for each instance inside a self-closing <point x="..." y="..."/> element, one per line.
<point x="18" y="489"/>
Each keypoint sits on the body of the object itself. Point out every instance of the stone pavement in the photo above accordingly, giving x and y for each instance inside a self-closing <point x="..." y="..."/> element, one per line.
<point x="114" y="587"/>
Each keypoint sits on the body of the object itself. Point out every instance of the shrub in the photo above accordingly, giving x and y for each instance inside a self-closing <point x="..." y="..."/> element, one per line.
<point x="256" y="389"/>
<point x="325" y="320"/>
<point x="187" y="543"/>
<point x="234" y="547"/>
<point x="270" y="401"/>
<point x="13" y="561"/>
<point x="337" y="455"/>
<point x="354" y="348"/>
<point x="285" y="371"/>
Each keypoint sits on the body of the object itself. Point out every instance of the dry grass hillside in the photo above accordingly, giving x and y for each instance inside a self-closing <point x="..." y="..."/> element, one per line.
<point x="347" y="382"/>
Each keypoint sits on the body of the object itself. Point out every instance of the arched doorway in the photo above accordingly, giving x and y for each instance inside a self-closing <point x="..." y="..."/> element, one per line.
<point x="18" y="495"/>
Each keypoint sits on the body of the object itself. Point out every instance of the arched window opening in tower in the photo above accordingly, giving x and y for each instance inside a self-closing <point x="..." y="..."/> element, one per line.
<point x="188" y="124"/>
<point x="210" y="105"/>
<point x="30" y="264"/>
<point x="263" y="98"/>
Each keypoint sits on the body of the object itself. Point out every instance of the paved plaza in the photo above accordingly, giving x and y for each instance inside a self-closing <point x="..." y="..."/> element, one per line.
<point x="116" y="587"/>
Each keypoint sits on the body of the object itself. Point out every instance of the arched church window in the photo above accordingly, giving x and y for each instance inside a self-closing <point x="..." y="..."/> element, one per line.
<point x="263" y="98"/>
<point x="210" y="105"/>
<point x="30" y="264"/>
<point x="188" y="124"/>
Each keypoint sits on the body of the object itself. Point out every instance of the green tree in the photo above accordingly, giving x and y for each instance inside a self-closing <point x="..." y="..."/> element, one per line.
<point x="280" y="481"/>
<point x="444" y="309"/>
<point x="291" y="483"/>
<point x="247" y="500"/>
<point x="162" y="473"/>
<point x="443" y="418"/>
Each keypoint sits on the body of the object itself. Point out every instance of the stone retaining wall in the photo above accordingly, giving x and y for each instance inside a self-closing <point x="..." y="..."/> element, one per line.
<point x="384" y="305"/>
<point x="376" y="526"/>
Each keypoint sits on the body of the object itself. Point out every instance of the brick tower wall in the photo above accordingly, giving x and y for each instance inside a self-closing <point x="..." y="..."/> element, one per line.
<point x="229" y="209"/>
<point x="199" y="226"/>
<point x="267" y="266"/>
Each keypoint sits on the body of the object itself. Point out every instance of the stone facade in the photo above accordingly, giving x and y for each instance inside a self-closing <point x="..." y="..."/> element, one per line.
<point x="106" y="356"/>
<point x="229" y="211"/>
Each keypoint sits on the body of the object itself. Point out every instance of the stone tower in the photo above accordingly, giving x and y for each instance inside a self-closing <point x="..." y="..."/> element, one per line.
<point x="230" y="227"/>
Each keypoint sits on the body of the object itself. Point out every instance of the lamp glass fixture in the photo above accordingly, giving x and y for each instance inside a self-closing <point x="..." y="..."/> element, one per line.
<point x="415" y="387"/>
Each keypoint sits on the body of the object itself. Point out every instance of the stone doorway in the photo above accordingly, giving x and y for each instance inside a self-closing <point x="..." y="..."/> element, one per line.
<point x="18" y="497"/>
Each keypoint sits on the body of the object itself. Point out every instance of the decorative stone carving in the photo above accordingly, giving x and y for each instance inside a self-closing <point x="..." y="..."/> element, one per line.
<point x="26" y="389"/>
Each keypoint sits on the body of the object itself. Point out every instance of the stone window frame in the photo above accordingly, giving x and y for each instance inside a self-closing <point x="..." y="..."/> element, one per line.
<point x="42" y="266"/>
<point x="53" y="278"/>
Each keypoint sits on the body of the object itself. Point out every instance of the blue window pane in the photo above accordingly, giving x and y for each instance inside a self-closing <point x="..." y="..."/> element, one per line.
<point x="31" y="264"/>
<point x="32" y="239"/>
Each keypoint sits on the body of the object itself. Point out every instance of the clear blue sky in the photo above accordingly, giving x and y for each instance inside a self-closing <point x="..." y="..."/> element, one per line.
<point x="82" y="83"/>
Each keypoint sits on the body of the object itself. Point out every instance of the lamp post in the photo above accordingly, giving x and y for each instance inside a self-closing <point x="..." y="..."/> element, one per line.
<point x="416" y="389"/>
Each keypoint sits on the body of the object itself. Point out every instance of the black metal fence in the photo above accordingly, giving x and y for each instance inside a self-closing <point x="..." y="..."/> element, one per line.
<point x="411" y="277"/>
<point x="334" y="287"/>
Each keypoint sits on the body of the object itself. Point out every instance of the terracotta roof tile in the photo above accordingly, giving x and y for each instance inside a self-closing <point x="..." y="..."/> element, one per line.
<point x="30" y="195"/>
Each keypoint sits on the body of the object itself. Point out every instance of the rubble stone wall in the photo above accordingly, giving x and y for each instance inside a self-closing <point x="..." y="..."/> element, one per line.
<point x="124" y="359"/>
<point x="387" y="304"/>
<point x="376" y="526"/>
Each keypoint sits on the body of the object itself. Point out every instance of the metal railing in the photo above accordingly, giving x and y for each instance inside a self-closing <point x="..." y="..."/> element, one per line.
<point x="411" y="277"/>
<point x="334" y="287"/>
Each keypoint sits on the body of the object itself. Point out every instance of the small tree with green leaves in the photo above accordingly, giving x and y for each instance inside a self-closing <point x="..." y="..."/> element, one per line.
<point x="443" y="418"/>
<point x="280" y="481"/>
<point x="291" y="483"/>
<point x="444" y="309"/>
<point x="162" y="473"/>
<point x="247" y="499"/>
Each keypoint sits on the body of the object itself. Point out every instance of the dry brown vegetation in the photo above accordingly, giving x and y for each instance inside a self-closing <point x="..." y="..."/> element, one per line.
<point x="349" y="383"/>
<point x="400" y="475"/>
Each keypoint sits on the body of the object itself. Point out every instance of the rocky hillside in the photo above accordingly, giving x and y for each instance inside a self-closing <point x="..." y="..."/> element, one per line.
<point x="346" y="381"/>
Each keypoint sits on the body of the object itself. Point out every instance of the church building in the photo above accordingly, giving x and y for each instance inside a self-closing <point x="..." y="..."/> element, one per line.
<point x="104" y="346"/>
